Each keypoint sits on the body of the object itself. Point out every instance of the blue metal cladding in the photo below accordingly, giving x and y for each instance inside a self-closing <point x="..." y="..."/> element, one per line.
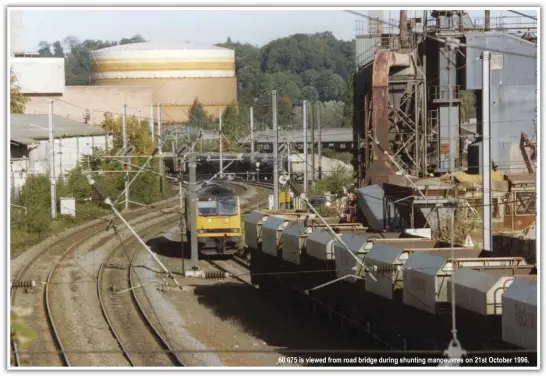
<point x="513" y="95"/>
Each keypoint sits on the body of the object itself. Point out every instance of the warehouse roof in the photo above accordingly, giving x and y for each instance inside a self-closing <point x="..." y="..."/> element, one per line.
<point x="28" y="128"/>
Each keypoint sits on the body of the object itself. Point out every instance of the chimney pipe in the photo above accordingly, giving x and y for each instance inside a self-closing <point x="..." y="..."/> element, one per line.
<point x="403" y="28"/>
<point x="487" y="20"/>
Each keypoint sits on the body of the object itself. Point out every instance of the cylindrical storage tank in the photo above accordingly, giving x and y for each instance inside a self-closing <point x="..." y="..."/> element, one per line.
<point x="177" y="73"/>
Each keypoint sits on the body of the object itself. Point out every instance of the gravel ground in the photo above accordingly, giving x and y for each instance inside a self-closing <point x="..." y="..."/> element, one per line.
<point x="236" y="323"/>
<point x="135" y="335"/>
<point x="243" y="326"/>
<point x="43" y="344"/>
<point x="76" y="305"/>
<point x="165" y="315"/>
<point x="213" y="323"/>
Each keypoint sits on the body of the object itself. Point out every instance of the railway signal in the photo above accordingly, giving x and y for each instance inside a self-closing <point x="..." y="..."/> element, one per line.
<point x="180" y="166"/>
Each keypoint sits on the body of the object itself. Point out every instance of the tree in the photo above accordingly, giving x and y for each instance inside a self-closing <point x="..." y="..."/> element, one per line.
<point x="230" y="122"/>
<point x="285" y="108"/>
<point x="58" y="50"/>
<point x="310" y="93"/>
<point x="197" y="114"/>
<point x="44" y="49"/>
<point x="134" y="39"/>
<point x="348" y="108"/>
<point x="17" y="99"/>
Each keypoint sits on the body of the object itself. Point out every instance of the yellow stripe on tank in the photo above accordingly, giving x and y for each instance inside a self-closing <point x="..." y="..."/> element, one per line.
<point x="163" y="66"/>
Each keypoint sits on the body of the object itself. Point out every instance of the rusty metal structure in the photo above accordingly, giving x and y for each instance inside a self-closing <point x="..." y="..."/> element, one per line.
<point x="401" y="92"/>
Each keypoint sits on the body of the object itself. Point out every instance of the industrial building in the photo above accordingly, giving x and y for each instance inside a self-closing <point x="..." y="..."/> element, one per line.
<point x="29" y="145"/>
<point x="402" y="99"/>
<point x="140" y="76"/>
<point x="407" y="99"/>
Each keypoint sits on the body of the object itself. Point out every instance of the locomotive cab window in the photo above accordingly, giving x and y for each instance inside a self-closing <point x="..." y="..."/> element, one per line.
<point x="227" y="207"/>
<point x="207" y="207"/>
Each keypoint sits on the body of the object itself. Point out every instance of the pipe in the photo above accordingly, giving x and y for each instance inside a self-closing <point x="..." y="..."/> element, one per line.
<point x="252" y="134"/>
<point x="403" y="28"/>
<point x="305" y="181"/>
<point x="487" y="20"/>
<point x="486" y="155"/>
<point x="521" y="14"/>
<point x="221" y="142"/>
<point x="275" y="153"/>
<point x="52" y="180"/>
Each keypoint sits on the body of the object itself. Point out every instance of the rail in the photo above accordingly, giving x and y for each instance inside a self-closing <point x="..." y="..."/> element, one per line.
<point x="96" y="228"/>
<point x="51" y="321"/>
<point x="162" y="341"/>
<point x="107" y="317"/>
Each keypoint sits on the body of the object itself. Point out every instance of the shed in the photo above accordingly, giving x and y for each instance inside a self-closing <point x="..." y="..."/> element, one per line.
<point x="29" y="145"/>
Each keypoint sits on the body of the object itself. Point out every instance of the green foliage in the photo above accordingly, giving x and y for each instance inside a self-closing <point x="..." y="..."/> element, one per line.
<point x="20" y="331"/>
<point x="348" y="107"/>
<point x="138" y="135"/>
<point x="468" y="105"/>
<point x="301" y="66"/>
<point x="38" y="220"/>
<point x="334" y="183"/>
<point x="79" y="58"/>
<point x="17" y="99"/>
<point x="36" y="192"/>
<point x="198" y="116"/>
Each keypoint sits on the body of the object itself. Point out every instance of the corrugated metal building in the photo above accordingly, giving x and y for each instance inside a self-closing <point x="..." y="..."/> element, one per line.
<point x="29" y="145"/>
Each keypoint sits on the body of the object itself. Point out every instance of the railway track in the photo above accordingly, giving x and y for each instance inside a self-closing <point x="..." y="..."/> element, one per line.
<point x="41" y="268"/>
<point x="132" y="325"/>
<point x="161" y="340"/>
<point x="46" y="264"/>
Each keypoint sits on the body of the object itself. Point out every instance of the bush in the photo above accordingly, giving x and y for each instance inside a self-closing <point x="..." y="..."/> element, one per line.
<point x="36" y="192"/>
<point x="334" y="183"/>
<point x="38" y="220"/>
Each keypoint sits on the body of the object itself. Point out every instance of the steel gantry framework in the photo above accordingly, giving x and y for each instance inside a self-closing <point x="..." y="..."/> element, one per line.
<point x="407" y="95"/>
